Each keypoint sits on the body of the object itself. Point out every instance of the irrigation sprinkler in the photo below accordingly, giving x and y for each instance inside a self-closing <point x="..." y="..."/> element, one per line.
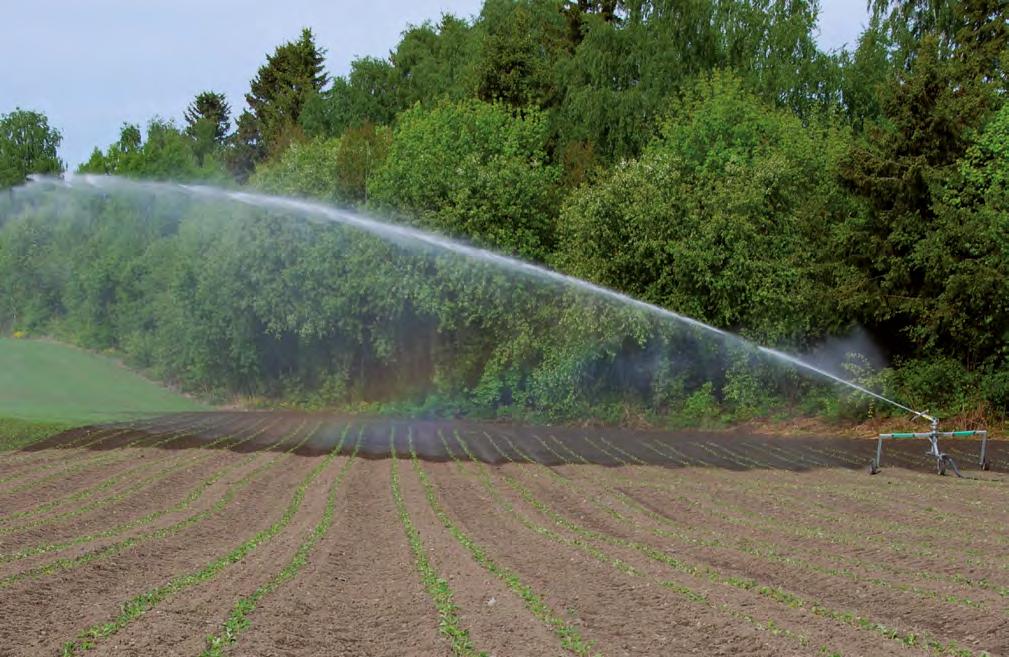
<point x="943" y="461"/>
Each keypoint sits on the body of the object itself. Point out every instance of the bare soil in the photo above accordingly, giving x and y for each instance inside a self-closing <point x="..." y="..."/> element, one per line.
<point x="590" y="541"/>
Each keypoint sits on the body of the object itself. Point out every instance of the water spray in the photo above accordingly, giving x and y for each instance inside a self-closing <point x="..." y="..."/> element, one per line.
<point x="312" y="210"/>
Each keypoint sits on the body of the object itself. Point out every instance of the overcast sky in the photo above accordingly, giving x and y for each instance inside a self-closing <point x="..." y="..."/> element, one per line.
<point x="90" y="65"/>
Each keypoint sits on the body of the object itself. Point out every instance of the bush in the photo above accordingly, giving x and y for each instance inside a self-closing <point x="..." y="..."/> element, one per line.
<point x="722" y="219"/>
<point x="700" y="407"/>
<point x="940" y="386"/>
<point x="473" y="170"/>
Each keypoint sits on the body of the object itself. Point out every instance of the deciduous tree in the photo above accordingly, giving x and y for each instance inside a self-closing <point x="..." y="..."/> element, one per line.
<point x="27" y="145"/>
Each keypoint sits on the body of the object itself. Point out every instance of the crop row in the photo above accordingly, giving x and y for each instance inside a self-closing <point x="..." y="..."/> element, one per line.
<point x="717" y="507"/>
<point x="238" y="620"/>
<point x="85" y="439"/>
<point x="230" y="494"/>
<point x="710" y="574"/>
<point x="765" y="551"/>
<point x="437" y="587"/>
<point x="579" y="543"/>
<point x="78" y="464"/>
<point x="755" y="492"/>
<point x="569" y="636"/>
<point x="90" y="491"/>
<point x="188" y="500"/>
<point x="140" y="604"/>
<point x="885" y="538"/>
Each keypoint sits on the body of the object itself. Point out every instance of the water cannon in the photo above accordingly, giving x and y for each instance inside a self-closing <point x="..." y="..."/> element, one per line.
<point x="943" y="460"/>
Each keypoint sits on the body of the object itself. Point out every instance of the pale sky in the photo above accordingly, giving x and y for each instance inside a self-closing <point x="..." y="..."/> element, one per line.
<point x="91" y="65"/>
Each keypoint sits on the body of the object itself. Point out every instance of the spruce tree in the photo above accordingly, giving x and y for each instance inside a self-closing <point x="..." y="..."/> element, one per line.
<point x="277" y="95"/>
<point x="209" y="109"/>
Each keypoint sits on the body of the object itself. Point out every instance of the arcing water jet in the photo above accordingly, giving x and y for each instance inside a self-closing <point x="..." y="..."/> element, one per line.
<point x="404" y="235"/>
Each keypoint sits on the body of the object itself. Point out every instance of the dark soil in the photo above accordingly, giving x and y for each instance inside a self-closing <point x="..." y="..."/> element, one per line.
<point x="643" y="542"/>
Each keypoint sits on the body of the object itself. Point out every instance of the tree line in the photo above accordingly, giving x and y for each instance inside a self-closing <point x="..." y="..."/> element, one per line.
<point x="704" y="156"/>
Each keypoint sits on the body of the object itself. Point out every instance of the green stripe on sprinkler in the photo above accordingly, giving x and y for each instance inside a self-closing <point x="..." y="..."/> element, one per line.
<point x="965" y="433"/>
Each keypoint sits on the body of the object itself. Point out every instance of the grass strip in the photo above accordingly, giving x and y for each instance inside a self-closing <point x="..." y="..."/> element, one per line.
<point x="437" y="587"/>
<point x="569" y="636"/>
<point x="15" y="434"/>
<point x="137" y="606"/>
<point x="238" y="621"/>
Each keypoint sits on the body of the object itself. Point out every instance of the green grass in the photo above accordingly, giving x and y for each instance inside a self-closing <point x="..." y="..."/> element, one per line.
<point x="15" y="433"/>
<point x="47" y="383"/>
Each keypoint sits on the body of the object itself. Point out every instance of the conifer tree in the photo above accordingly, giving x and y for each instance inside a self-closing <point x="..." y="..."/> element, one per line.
<point x="277" y="95"/>
<point x="209" y="109"/>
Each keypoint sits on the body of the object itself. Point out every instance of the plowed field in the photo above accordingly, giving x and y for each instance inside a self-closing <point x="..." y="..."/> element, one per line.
<point x="284" y="534"/>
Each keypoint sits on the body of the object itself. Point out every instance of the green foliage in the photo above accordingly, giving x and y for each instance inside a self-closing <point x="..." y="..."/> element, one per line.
<point x="941" y="385"/>
<point x="474" y="170"/>
<point x="430" y="63"/>
<point x="700" y="407"/>
<point x="304" y="169"/>
<point x="367" y="95"/>
<point x="720" y="219"/>
<point x="282" y="86"/>
<point x="624" y="73"/>
<point x="520" y="43"/>
<point x="168" y="153"/>
<point x="330" y="169"/>
<point x="864" y="75"/>
<point x="210" y="108"/>
<point x="17" y="433"/>
<point x="208" y="119"/>
<point x="703" y="155"/>
<point x="928" y="254"/>
<point x="27" y="145"/>
<point x="434" y="62"/>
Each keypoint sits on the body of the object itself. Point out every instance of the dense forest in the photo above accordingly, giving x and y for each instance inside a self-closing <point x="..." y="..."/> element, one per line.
<point x="701" y="155"/>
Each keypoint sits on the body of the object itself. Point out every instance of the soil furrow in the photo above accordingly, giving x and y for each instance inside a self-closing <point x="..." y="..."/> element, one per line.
<point x="41" y="613"/>
<point x="359" y="596"/>
<point x="181" y="625"/>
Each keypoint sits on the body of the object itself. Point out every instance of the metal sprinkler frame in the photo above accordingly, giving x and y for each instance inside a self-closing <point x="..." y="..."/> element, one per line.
<point x="942" y="459"/>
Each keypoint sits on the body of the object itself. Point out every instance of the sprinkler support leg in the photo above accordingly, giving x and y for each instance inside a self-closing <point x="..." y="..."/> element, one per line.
<point x="985" y="465"/>
<point x="874" y="464"/>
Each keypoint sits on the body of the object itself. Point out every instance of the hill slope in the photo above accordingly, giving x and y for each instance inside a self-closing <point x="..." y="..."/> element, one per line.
<point x="42" y="381"/>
